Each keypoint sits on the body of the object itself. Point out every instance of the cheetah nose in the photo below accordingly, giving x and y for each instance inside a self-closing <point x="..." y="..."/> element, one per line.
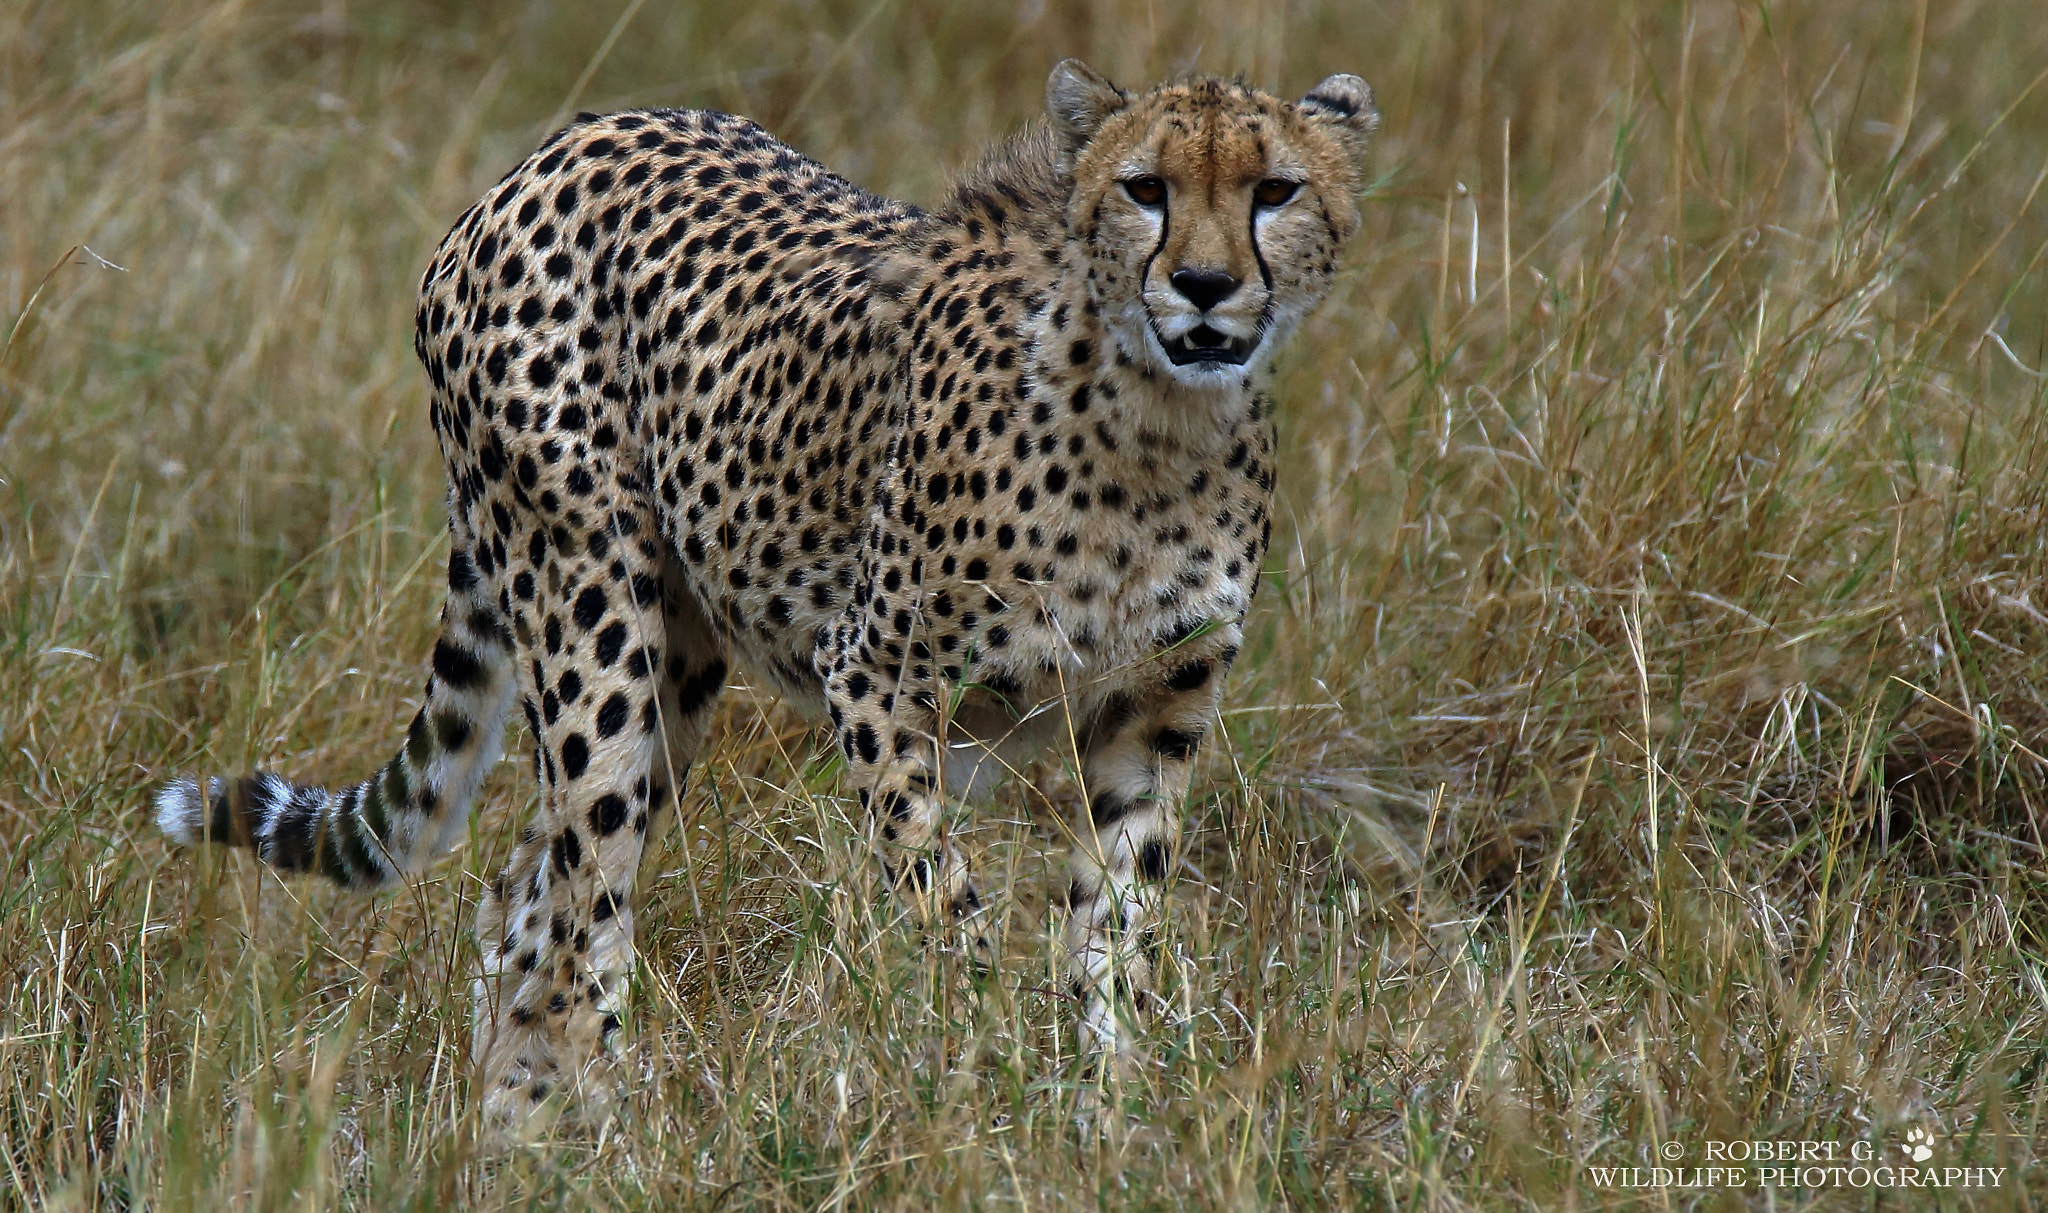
<point x="1203" y="288"/>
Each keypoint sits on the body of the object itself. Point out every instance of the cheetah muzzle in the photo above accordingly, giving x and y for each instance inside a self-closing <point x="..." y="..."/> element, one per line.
<point x="1204" y="344"/>
<point x="961" y="483"/>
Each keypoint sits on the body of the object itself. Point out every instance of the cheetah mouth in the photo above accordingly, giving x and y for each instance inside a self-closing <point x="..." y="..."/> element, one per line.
<point x="1204" y="344"/>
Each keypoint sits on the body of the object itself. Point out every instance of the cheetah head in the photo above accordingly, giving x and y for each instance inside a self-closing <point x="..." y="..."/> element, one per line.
<point x="1211" y="213"/>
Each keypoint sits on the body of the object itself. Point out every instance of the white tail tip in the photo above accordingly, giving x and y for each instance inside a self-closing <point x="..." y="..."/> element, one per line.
<point x="181" y="811"/>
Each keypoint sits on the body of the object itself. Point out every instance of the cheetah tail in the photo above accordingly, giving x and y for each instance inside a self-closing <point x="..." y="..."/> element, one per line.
<point x="412" y="809"/>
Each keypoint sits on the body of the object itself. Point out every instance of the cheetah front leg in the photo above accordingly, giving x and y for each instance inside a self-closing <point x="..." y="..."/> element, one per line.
<point x="1135" y="765"/>
<point x="556" y="929"/>
<point x="888" y="728"/>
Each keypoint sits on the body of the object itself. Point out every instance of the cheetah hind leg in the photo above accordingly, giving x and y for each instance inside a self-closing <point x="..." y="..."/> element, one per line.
<point x="556" y="928"/>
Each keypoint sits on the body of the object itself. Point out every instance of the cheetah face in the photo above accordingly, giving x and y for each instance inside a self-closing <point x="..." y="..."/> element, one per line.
<point x="1211" y="213"/>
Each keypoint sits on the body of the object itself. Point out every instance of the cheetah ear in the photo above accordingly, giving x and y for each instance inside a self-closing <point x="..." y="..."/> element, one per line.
<point x="1343" y="106"/>
<point x="1079" y="99"/>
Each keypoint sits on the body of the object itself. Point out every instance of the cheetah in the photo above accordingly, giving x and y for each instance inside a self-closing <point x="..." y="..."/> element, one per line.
<point x="963" y="482"/>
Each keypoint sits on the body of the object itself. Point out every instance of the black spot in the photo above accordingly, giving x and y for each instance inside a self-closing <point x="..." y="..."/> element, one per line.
<point x="1173" y="743"/>
<point x="1108" y="808"/>
<point x="453" y="729"/>
<point x="590" y="605"/>
<point x="612" y="716"/>
<point x="568" y="852"/>
<point x="575" y="756"/>
<point x="607" y="907"/>
<point x="1188" y="676"/>
<point x="608" y="815"/>
<point x="458" y="667"/>
<point x="609" y="643"/>
<point x="461" y="576"/>
<point x="1152" y="860"/>
<point x="695" y="692"/>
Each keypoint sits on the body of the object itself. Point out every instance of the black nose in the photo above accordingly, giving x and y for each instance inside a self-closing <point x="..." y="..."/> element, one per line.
<point x="1203" y="288"/>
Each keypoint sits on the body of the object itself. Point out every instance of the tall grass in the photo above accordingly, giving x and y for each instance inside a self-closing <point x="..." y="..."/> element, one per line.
<point x="1639" y="739"/>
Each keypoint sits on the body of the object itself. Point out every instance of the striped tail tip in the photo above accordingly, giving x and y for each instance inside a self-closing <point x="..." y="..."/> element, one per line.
<point x="290" y="827"/>
<point x="241" y="812"/>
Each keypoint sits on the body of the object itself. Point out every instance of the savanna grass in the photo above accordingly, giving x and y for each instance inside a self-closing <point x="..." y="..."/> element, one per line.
<point x="1639" y="738"/>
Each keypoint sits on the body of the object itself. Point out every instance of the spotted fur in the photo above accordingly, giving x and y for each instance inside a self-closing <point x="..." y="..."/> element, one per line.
<point x="1000" y="473"/>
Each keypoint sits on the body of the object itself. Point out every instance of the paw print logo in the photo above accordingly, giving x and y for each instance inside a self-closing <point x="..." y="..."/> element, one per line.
<point x="1919" y="1144"/>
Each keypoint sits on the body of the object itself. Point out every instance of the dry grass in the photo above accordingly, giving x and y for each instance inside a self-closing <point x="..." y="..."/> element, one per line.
<point x="1639" y="739"/>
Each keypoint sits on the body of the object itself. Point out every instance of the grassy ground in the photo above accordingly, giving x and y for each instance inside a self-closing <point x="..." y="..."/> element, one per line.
<point x="1639" y="744"/>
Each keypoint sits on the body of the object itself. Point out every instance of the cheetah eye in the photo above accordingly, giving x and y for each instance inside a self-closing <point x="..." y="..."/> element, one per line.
<point x="1274" y="191"/>
<point x="1145" y="191"/>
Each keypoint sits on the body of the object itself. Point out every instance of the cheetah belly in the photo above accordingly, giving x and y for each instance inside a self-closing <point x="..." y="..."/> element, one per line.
<point x="776" y="658"/>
